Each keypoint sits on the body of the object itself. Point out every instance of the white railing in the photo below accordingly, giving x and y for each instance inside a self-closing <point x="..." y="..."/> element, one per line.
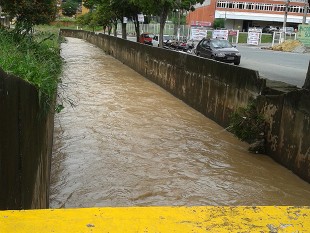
<point x="280" y="37"/>
<point x="154" y="29"/>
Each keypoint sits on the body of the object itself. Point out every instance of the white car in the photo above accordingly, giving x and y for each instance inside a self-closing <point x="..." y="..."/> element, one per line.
<point x="166" y="40"/>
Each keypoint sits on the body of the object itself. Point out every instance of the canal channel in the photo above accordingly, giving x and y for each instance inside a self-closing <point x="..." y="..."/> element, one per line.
<point x="121" y="140"/>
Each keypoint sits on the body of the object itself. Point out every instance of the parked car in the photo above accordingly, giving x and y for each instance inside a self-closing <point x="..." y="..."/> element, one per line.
<point x="288" y="30"/>
<point x="270" y="29"/>
<point x="166" y="40"/>
<point x="182" y="45"/>
<point x="218" y="49"/>
<point x="146" y="38"/>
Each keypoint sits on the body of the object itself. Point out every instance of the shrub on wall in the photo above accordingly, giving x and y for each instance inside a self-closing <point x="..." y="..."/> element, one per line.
<point x="247" y="124"/>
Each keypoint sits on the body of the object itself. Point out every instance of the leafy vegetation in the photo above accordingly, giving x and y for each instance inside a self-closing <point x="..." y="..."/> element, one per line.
<point x="247" y="124"/>
<point x="69" y="8"/>
<point x="107" y="13"/>
<point x="34" y="58"/>
<point x="29" y="13"/>
<point x="111" y="11"/>
<point x="30" y="54"/>
<point x="266" y="38"/>
<point x="219" y="23"/>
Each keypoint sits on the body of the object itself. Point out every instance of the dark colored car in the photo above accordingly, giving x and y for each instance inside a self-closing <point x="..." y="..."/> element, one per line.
<point x="146" y="38"/>
<point x="218" y="49"/>
<point x="269" y="29"/>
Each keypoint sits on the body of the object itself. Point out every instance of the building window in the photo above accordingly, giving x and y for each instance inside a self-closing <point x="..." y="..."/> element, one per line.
<point x="258" y="6"/>
<point x="279" y="8"/>
<point x="221" y="4"/>
<point x="239" y="5"/>
<point x="268" y="7"/>
<point x="296" y="9"/>
<point x="250" y="6"/>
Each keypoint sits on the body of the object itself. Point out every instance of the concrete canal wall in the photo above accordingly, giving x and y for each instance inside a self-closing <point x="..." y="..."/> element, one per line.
<point x="25" y="146"/>
<point x="218" y="89"/>
<point x="288" y="129"/>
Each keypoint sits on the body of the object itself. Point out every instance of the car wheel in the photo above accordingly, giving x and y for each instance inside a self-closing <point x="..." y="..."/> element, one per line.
<point x="237" y="62"/>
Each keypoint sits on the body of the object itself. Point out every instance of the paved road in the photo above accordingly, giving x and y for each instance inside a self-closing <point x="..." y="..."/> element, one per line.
<point x="276" y="65"/>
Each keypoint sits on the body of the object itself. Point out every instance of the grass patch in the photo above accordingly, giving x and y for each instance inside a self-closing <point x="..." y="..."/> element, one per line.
<point x="243" y="36"/>
<point x="34" y="58"/>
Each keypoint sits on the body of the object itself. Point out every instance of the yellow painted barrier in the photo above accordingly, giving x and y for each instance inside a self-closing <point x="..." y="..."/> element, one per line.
<point x="159" y="219"/>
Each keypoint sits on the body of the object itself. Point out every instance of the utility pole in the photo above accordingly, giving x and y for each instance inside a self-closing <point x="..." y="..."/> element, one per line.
<point x="305" y="12"/>
<point x="285" y="14"/>
<point x="179" y="19"/>
<point x="285" y="19"/>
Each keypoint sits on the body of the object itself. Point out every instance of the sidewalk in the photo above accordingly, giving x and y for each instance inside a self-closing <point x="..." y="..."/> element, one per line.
<point x="268" y="46"/>
<point x="260" y="46"/>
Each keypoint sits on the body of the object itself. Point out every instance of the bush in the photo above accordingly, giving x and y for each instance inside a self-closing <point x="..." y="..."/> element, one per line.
<point x="219" y="23"/>
<point x="247" y="124"/>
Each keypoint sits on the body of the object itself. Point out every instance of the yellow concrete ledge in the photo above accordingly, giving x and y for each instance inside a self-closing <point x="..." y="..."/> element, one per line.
<point x="159" y="219"/>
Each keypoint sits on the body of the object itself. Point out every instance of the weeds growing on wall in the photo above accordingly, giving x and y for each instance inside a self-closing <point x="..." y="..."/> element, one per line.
<point x="34" y="58"/>
<point x="247" y="123"/>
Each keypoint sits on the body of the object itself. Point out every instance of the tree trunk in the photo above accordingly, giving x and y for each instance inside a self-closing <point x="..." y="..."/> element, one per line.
<point x="115" y="29"/>
<point x="124" y="31"/>
<point x="162" y="22"/>
<point x="137" y="27"/>
<point x="307" y="81"/>
<point x="109" y="29"/>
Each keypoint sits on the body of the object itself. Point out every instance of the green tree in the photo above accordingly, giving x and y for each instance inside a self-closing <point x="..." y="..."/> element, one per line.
<point x="69" y="8"/>
<point x="109" y="12"/>
<point x="130" y="10"/>
<point x="102" y="13"/>
<point x="219" y="23"/>
<point x="90" y="3"/>
<point x="29" y="13"/>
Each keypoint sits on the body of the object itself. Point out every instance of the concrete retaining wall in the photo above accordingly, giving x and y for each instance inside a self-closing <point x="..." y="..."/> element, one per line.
<point x="217" y="89"/>
<point x="288" y="129"/>
<point x="25" y="146"/>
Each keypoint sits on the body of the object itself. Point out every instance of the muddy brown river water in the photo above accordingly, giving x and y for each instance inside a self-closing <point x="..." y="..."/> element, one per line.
<point x="127" y="142"/>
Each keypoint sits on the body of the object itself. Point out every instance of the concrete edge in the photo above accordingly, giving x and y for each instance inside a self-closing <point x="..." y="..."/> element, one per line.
<point x="159" y="219"/>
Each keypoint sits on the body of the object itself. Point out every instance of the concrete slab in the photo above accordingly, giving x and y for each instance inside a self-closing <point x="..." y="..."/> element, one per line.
<point x="159" y="219"/>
